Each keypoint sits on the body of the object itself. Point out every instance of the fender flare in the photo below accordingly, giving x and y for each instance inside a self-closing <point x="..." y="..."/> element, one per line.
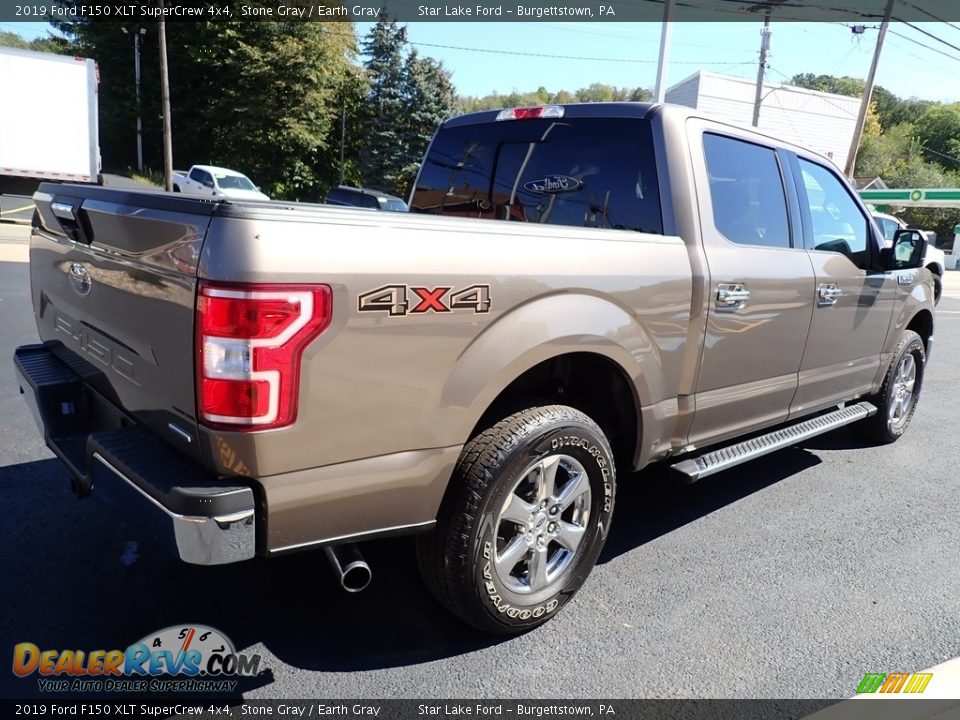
<point x="545" y="328"/>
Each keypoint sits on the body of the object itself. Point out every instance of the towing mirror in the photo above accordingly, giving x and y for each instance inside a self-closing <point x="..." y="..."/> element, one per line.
<point x="907" y="250"/>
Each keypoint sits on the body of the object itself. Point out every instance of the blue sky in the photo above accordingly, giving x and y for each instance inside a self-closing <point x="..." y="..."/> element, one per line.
<point x="625" y="54"/>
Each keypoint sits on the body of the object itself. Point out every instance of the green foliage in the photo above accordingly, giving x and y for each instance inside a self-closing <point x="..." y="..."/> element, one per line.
<point x="909" y="143"/>
<point x="264" y="98"/>
<point x="407" y="99"/>
<point x="430" y="99"/>
<point x="49" y="44"/>
<point x="597" y="92"/>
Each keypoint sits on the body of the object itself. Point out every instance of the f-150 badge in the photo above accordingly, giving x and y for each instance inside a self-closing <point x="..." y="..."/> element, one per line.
<point x="396" y="300"/>
<point x="553" y="184"/>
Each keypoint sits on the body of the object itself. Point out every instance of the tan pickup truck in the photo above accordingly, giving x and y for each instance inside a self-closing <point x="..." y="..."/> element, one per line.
<point x="577" y="291"/>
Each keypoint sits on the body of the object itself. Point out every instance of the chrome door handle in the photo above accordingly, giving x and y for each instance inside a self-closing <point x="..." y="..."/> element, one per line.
<point x="732" y="296"/>
<point x="828" y="293"/>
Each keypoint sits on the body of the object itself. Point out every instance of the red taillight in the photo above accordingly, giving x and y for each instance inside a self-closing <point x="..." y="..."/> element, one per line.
<point x="249" y="342"/>
<point x="531" y="113"/>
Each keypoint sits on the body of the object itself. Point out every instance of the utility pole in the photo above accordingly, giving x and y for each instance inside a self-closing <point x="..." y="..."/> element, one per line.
<point x="343" y="131"/>
<point x="765" y="34"/>
<point x="165" y="99"/>
<point x="137" y="39"/>
<point x="660" y="90"/>
<point x="867" y="93"/>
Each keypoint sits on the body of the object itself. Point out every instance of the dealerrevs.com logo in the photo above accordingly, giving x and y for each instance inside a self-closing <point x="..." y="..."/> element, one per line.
<point x="190" y="658"/>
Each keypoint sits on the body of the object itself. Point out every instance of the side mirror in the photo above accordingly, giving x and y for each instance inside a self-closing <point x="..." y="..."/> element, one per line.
<point x="907" y="250"/>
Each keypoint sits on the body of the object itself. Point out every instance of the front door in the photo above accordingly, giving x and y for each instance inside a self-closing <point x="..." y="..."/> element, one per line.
<point x="853" y="304"/>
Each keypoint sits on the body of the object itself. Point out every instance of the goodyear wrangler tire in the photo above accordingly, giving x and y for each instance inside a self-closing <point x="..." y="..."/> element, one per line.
<point x="898" y="396"/>
<point x="523" y="521"/>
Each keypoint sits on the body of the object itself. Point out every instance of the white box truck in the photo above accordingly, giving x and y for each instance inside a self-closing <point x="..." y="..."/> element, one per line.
<point x="44" y="145"/>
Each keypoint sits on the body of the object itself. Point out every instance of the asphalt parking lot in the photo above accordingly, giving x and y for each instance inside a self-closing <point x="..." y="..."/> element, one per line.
<point x="788" y="577"/>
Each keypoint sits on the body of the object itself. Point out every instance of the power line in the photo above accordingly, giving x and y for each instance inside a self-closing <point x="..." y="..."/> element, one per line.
<point x="521" y="53"/>
<point x="924" y="45"/>
<point x="931" y="15"/>
<point x="929" y="34"/>
<point x="948" y="157"/>
<point x="561" y="57"/>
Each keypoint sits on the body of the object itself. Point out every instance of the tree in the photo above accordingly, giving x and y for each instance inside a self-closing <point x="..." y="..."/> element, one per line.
<point x="938" y="130"/>
<point x="431" y="99"/>
<point x="385" y="105"/>
<point x="50" y="44"/>
<point x="264" y="98"/>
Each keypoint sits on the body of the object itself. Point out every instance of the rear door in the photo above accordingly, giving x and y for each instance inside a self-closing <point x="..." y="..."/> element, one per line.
<point x="113" y="277"/>
<point x="761" y="283"/>
<point x="853" y="305"/>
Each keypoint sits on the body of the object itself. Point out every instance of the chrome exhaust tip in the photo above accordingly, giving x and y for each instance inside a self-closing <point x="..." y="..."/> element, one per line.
<point x="354" y="573"/>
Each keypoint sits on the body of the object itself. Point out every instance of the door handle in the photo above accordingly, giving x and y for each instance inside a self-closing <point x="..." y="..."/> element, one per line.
<point x="732" y="296"/>
<point x="828" y="293"/>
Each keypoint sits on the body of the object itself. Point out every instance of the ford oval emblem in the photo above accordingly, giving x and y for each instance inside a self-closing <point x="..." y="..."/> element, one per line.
<point x="80" y="279"/>
<point x="553" y="184"/>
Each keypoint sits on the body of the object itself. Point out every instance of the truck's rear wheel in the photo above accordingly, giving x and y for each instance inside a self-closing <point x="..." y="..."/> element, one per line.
<point x="526" y="515"/>
<point x="898" y="396"/>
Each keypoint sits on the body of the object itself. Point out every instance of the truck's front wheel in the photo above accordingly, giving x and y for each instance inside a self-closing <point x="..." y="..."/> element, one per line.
<point x="526" y="515"/>
<point x="897" y="399"/>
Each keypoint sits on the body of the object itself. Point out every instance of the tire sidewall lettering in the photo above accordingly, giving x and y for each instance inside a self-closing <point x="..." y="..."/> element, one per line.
<point x="502" y="603"/>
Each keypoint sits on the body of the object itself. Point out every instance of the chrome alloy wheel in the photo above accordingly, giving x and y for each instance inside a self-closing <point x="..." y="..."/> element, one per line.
<point x="904" y="382"/>
<point x="541" y="524"/>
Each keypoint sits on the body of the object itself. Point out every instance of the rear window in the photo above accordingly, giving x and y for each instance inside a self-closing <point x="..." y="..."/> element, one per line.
<point x="587" y="172"/>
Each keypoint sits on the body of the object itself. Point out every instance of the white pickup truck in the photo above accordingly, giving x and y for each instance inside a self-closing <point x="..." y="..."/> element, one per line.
<point x="217" y="182"/>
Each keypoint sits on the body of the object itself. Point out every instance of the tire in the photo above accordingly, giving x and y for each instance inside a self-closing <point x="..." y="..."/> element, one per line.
<point x="937" y="284"/>
<point x="897" y="400"/>
<point x="499" y="499"/>
<point x="176" y="188"/>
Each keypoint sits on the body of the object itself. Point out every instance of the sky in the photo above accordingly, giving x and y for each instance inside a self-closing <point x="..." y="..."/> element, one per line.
<point x="488" y="57"/>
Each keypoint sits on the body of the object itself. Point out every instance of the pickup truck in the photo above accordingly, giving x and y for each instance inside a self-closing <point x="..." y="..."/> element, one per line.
<point x="637" y="284"/>
<point x="216" y="182"/>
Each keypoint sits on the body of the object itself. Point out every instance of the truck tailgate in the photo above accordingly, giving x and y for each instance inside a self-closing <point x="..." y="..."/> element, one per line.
<point x="113" y="282"/>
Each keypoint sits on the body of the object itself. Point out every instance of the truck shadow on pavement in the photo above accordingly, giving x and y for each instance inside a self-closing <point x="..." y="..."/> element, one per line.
<point x="79" y="578"/>
<point x="658" y="503"/>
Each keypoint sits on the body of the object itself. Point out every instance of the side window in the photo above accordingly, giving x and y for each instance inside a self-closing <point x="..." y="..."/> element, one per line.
<point x="196" y="175"/>
<point x="838" y="224"/>
<point x="889" y="228"/>
<point x="746" y="192"/>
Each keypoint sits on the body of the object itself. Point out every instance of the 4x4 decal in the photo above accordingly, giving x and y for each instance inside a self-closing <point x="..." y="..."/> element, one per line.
<point x="395" y="300"/>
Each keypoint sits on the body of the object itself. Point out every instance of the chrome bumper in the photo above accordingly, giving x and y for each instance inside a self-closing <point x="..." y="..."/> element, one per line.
<point x="202" y="519"/>
<point x="199" y="539"/>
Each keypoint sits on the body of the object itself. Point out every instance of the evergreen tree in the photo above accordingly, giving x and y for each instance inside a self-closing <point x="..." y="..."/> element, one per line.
<point x="385" y="107"/>
<point x="430" y="99"/>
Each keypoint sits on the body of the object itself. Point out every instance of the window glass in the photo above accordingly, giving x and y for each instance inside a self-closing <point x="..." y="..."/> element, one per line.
<point x="838" y="224"/>
<point x="746" y="192"/>
<point x="583" y="172"/>
<point x="196" y="175"/>
<point x="888" y="227"/>
<point x="235" y="182"/>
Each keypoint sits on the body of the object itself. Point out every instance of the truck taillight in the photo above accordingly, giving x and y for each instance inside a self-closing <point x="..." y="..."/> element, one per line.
<point x="249" y="342"/>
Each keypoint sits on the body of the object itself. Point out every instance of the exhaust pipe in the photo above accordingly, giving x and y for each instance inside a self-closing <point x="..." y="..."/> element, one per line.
<point x="351" y="568"/>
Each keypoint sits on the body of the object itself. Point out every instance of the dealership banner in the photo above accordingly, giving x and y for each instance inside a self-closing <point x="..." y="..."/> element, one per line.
<point x="854" y="11"/>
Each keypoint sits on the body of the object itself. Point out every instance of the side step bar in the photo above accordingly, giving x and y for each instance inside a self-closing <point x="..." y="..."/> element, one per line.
<point x="713" y="462"/>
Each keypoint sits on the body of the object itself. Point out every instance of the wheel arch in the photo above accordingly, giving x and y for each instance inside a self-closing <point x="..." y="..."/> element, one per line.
<point x="922" y="324"/>
<point x="569" y="349"/>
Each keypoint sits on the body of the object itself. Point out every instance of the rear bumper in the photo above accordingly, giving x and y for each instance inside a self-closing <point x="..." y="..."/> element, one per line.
<point x="204" y="520"/>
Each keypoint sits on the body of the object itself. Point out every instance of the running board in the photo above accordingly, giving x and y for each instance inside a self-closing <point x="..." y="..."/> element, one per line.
<point x="713" y="462"/>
